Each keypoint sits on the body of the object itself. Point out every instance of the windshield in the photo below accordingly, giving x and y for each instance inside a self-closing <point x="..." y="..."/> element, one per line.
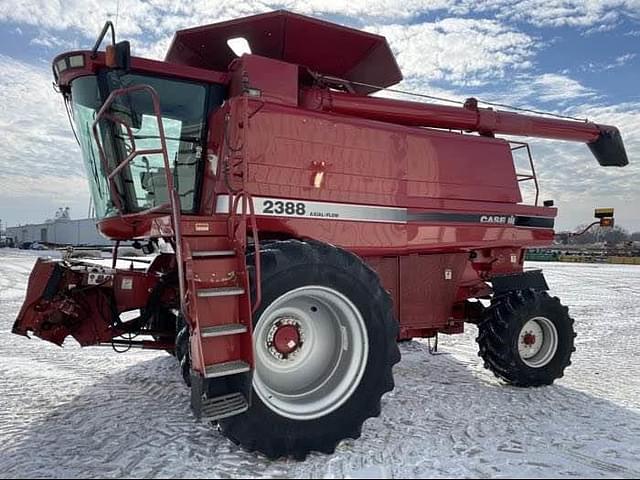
<point x="142" y="184"/>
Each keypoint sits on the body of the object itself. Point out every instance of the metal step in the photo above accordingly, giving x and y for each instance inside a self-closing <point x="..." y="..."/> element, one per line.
<point x="223" y="407"/>
<point x="222" y="330"/>
<point x="227" y="368"/>
<point x="220" y="292"/>
<point x="213" y="253"/>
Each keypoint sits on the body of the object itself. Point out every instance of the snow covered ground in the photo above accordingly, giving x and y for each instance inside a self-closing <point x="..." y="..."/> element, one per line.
<point x="70" y="413"/>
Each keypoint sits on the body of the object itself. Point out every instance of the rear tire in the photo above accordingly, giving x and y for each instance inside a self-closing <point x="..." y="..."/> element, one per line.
<point x="314" y="405"/>
<point x="526" y="338"/>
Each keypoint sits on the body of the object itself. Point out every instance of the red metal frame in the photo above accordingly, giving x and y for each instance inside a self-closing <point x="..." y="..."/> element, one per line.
<point x="419" y="114"/>
<point x="296" y="40"/>
<point x="141" y="65"/>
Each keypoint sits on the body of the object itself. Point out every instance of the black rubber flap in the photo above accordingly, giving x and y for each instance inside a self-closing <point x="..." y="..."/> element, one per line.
<point x="609" y="148"/>
<point x="533" y="279"/>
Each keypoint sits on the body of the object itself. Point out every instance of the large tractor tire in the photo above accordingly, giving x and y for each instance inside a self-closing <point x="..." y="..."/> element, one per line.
<point x="526" y="338"/>
<point x="325" y="345"/>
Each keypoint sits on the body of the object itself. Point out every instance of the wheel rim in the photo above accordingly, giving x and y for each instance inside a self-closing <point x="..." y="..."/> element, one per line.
<point x="311" y="350"/>
<point x="538" y="342"/>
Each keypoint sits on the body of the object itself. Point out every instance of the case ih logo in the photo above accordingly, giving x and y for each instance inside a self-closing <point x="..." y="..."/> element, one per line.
<point x="502" y="219"/>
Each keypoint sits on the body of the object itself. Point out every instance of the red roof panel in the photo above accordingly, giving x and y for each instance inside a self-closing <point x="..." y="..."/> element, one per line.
<point x="323" y="47"/>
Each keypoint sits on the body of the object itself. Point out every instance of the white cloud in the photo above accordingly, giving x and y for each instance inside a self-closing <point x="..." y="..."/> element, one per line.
<point x="552" y="87"/>
<point x="458" y="50"/>
<point x="39" y="160"/>
<point x="591" y="14"/>
<point x="620" y="61"/>
<point x="53" y="42"/>
<point x="159" y="18"/>
<point x="85" y="16"/>
<point x="34" y="126"/>
<point x="31" y="199"/>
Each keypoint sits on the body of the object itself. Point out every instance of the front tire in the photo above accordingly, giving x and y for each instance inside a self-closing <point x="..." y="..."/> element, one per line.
<point x="325" y="343"/>
<point x="526" y="338"/>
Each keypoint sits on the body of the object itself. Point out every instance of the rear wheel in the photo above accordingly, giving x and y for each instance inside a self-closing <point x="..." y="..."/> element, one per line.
<point x="325" y="344"/>
<point x="527" y="338"/>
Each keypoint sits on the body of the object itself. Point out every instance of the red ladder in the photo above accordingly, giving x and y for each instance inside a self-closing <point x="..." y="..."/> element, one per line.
<point x="219" y="297"/>
<point x="214" y="284"/>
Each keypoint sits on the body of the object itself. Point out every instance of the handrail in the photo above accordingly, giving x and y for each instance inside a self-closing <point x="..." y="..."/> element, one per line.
<point x="523" y="177"/>
<point x="240" y="170"/>
<point x="174" y="200"/>
<point x="247" y="201"/>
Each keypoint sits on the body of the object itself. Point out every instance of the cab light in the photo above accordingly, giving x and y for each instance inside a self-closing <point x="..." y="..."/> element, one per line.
<point x="76" y="61"/>
<point x="61" y="65"/>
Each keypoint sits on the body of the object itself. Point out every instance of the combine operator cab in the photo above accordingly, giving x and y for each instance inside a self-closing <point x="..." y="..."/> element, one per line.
<point x="127" y="120"/>
<point x="299" y="227"/>
<point x="129" y="124"/>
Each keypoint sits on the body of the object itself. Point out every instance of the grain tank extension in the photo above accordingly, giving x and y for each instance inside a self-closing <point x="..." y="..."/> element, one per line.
<point x="298" y="227"/>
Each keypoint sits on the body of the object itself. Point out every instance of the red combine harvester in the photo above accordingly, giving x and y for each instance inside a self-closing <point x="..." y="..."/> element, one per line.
<point x="300" y="226"/>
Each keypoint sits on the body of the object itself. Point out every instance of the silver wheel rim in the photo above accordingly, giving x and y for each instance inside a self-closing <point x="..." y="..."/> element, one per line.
<point x="538" y="342"/>
<point x="326" y="366"/>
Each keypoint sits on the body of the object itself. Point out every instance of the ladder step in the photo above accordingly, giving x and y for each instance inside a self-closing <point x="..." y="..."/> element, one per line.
<point x="227" y="368"/>
<point x="213" y="253"/>
<point x="220" y="292"/>
<point x="221" y="330"/>
<point x="223" y="407"/>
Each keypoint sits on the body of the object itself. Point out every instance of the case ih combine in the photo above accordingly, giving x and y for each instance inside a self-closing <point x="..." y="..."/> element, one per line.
<point x="305" y="226"/>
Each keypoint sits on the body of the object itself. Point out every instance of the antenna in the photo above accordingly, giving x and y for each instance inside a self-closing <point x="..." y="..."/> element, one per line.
<point x="117" y="12"/>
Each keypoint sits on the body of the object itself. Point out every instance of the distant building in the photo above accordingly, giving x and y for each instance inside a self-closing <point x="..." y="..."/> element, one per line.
<point x="59" y="231"/>
<point x="3" y="236"/>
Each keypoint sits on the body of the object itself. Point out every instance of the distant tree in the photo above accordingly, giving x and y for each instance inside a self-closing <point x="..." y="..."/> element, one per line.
<point x="590" y="236"/>
<point x="612" y="236"/>
<point x="615" y="235"/>
<point x="635" y="237"/>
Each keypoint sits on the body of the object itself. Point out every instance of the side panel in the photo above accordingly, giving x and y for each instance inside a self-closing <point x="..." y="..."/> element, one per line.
<point x="373" y="188"/>
<point x="428" y="287"/>
<point x="370" y="162"/>
<point x="424" y="289"/>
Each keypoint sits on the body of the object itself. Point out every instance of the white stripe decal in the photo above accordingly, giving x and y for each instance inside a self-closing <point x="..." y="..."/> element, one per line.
<point x="278" y="207"/>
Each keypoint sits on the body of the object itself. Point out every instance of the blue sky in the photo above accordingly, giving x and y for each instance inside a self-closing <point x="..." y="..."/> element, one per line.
<point x="578" y="57"/>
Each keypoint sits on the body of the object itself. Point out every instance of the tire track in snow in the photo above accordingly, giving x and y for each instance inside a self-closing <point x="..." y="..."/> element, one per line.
<point x="72" y="412"/>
